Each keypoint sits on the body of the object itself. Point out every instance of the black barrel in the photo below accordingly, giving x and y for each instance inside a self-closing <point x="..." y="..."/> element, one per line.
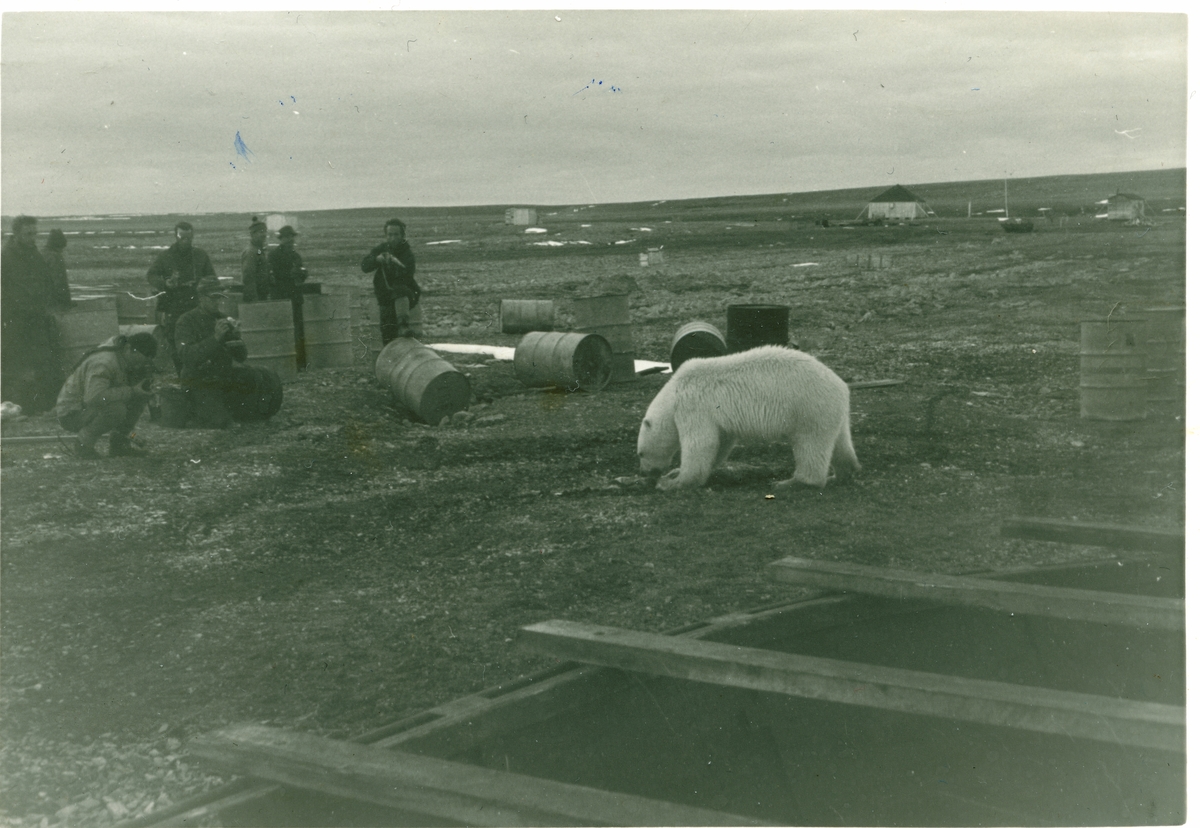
<point x="695" y="339"/>
<point x="748" y="326"/>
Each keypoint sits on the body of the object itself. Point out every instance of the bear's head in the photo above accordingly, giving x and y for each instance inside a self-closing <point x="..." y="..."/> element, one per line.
<point x="658" y="441"/>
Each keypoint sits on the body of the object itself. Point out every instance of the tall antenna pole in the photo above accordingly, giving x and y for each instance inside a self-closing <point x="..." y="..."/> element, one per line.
<point x="1006" y="196"/>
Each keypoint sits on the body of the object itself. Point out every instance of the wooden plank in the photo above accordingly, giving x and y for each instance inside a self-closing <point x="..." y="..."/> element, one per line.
<point x="32" y="439"/>
<point x="1025" y="599"/>
<point x="1094" y="534"/>
<point x="434" y="787"/>
<point x="883" y="383"/>
<point x="1074" y="715"/>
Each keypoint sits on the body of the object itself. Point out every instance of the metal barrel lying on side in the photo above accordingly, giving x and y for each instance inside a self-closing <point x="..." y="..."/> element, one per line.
<point x="574" y="361"/>
<point x="421" y="381"/>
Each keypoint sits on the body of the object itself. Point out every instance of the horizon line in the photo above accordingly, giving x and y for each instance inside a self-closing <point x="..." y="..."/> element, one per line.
<point x="505" y="205"/>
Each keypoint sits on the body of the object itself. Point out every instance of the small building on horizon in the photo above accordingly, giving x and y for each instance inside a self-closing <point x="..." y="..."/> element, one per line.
<point x="1126" y="207"/>
<point x="896" y="202"/>
<point x="520" y="215"/>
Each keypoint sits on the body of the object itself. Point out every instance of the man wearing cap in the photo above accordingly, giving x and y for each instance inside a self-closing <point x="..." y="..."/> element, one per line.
<point x="175" y="273"/>
<point x="208" y="343"/>
<point x="106" y="394"/>
<point x="395" y="267"/>
<point x="256" y="270"/>
<point x="287" y="274"/>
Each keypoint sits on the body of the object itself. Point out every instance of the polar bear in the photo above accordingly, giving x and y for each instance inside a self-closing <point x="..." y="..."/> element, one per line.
<point x="765" y="394"/>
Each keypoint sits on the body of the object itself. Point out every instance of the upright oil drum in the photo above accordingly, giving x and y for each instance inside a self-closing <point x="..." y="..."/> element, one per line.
<point x="574" y="361"/>
<point x="1112" y="368"/>
<point x="421" y="381"/>
<point x="608" y="316"/>
<point x="87" y="323"/>
<point x="525" y="315"/>
<point x="328" y="331"/>
<point x="365" y="339"/>
<point x="749" y="326"/>
<point x="1165" y="350"/>
<point x="269" y="334"/>
<point x="695" y="339"/>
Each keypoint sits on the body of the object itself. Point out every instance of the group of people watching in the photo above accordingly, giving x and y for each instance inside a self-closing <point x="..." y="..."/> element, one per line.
<point x="108" y="390"/>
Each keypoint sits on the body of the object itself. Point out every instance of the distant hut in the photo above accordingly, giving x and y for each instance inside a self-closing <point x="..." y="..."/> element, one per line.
<point x="1126" y="207"/>
<point x="896" y="203"/>
<point x="520" y="215"/>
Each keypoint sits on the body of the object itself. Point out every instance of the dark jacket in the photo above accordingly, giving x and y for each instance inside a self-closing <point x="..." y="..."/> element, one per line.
<point x="392" y="281"/>
<point x="201" y="356"/>
<point x="56" y="270"/>
<point x="287" y="273"/>
<point x="187" y="268"/>
<point x="256" y="274"/>
<point x="25" y="283"/>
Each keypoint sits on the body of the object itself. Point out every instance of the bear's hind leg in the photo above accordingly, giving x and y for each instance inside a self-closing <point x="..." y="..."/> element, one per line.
<point x="845" y="461"/>
<point x="812" y="462"/>
<point x="698" y="451"/>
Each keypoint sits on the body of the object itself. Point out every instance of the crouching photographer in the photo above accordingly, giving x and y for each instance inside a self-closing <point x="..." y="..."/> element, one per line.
<point x="106" y="394"/>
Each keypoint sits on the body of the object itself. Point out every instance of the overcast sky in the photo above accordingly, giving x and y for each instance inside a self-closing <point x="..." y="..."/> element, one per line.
<point x="195" y="112"/>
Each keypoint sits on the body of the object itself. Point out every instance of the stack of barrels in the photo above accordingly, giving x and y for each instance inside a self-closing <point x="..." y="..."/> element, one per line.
<point x="574" y="361"/>
<point x="267" y="327"/>
<point x="1128" y="362"/>
<point x="607" y="315"/>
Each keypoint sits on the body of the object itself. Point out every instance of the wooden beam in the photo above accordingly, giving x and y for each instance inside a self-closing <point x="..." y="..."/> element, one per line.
<point x="1074" y="715"/>
<point x="1094" y="534"/>
<point x="1026" y="599"/>
<point x="434" y="787"/>
<point x="883" y="383"/>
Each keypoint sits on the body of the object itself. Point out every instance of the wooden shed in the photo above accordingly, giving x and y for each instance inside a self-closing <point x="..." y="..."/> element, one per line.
<point x="897" y="203"/>
<point x="1126" y="207"/>
<point x="520" y="215"/>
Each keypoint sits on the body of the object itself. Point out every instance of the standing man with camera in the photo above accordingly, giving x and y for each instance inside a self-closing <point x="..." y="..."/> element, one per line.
<point x="396" y="289"/>
<point x="174" y="274"/>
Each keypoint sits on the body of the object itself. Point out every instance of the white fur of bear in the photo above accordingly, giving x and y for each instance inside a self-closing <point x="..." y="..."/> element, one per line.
<point x="765" y="394"/>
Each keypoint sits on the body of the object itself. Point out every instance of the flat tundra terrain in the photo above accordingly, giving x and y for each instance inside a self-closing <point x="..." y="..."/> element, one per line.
<point x="342" y="566"/>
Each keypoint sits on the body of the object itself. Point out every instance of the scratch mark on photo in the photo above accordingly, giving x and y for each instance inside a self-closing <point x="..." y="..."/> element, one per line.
<point x="240" y="146"/>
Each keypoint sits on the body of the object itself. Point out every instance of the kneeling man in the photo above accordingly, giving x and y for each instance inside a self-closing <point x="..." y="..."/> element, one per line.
<point x="207" y="343"/>
<point x="106" y="394"/>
